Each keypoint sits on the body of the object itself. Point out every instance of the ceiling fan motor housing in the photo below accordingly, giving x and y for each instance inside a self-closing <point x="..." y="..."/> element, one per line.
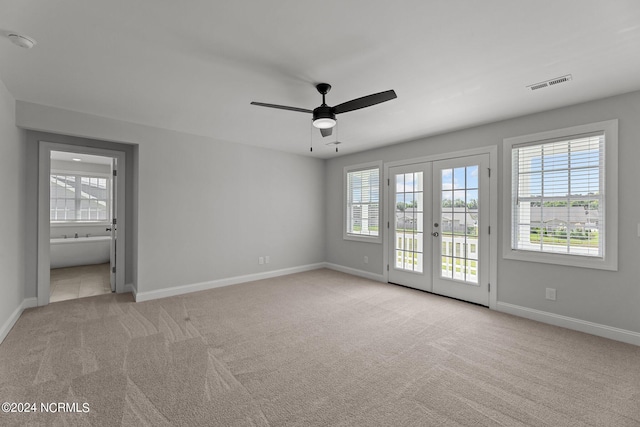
<point x="323" y="112"/>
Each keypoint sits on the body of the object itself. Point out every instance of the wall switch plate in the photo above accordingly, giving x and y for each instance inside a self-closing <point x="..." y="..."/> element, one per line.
<point x="261" y="260"/>
<point x="266" y="259"/>
<point x="366" y="260"/>
<point x="550" y="294"/>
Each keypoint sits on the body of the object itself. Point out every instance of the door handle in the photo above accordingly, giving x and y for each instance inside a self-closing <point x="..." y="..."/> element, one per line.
<point x="108" y="229"/>
<point x="435" y="234"/>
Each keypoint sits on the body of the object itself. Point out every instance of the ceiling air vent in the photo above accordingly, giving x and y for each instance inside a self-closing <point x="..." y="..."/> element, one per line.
<point x="551" y="82"/>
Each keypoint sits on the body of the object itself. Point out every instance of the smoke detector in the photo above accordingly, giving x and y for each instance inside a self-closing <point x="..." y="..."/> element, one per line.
<point x="552" y="82"/>
<point x="22" y="41"/>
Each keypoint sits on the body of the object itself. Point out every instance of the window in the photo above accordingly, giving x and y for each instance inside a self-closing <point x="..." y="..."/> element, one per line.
<point x="79" y="198"/>
<point x="561" y="188"/>
<point x="362" y="202"/>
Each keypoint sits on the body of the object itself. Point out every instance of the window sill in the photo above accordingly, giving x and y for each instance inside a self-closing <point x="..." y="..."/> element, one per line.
<point x="561" y="259"/>
<point x="365" y="239"/>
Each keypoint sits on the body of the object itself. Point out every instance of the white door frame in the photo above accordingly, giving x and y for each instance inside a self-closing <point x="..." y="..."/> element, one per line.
<point x="492" y="151"/>
<point x="44" y="224"/>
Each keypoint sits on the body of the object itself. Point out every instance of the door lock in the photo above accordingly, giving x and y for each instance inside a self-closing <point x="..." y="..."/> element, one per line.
<point x="435" y="234"/>
<point x="436" y="224"/>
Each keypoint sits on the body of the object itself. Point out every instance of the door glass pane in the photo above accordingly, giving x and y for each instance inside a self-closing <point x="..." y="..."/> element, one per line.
<point x="459" y="178"/>
<point x="409" y="234"/>
<point x="447" y="179"/>
<point x="459" y="224"/>
<point x="472" y="177"/>
<point x="447" y="266"/>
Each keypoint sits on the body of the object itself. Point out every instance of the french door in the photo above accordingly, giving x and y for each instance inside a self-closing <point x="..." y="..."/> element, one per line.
<point x="439" y="225"/>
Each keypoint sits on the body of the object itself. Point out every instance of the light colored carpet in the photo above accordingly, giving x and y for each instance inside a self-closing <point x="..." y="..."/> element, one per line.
<point x="312" y="349"/>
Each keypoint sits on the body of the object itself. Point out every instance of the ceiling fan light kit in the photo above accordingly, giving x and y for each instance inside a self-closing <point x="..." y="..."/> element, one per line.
<point x="324" y="116"/>
<point x="324" y="123"/>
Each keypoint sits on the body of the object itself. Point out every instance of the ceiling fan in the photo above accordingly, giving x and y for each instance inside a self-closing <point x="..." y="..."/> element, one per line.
<point x="324" y="116"/>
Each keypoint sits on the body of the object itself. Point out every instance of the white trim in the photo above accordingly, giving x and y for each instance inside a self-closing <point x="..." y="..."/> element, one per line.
<point x="493" y="223"/>
<point x="30" y="302"/>
<point x="442" y="156"/>
<point x="6" y="328"/>
<point x="610" y="260"/>
<point x="355" y="168"/>
<point x="203" y="286"/>
<point x="605" y="331"/>
<point x="128" y="287"/>
<point x="355" y="272"/>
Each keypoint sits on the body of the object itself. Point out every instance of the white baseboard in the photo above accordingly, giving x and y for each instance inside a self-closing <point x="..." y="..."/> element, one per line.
<point x="605" y="331"/>
<point x="185" y="289"/>
<point x="129" y="288"/>
<point x="355" y="272"/>
<point x="6" y="328"/>
<point x="29" y="303"/>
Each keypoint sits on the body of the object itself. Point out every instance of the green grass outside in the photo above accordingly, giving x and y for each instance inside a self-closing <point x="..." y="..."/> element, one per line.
<point x="562" y="241"/>
<point x="359" y="228"/>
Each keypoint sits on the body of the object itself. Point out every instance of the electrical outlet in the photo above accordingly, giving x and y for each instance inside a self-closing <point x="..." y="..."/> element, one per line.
<point x="266" y="259"/>
<point x="366" y="260"/>
<point x="261" y="260"/>
<point x="550" y="294"/>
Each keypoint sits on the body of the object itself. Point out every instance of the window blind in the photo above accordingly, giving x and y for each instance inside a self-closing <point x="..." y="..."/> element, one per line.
<point x="363" y="200"/>
<point x="558" y="196"/>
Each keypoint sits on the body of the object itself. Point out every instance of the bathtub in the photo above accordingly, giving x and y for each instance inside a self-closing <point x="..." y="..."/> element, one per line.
<point x="72" y="251"/>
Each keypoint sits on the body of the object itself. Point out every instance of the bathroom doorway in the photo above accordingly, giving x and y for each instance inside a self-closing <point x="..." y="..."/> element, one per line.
<point x="81" y="210"/>
<point x="81" y="205"/>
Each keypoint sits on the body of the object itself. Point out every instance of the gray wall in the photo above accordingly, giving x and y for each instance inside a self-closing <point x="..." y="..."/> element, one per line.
<point x="207" y="209"/>
<point x="12" y="195"/>
<point x="603" y="297"/>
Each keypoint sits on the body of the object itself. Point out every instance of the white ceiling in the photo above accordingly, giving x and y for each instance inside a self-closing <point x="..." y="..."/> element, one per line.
<point x="195" y="66"/>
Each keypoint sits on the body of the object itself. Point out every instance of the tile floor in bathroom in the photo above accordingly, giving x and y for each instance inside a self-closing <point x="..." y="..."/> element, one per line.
<point x="79" y="282"/>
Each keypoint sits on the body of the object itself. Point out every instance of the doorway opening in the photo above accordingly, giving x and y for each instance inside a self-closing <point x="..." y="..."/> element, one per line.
<point x="81" y="198"/>
<point x="80" y="214"/>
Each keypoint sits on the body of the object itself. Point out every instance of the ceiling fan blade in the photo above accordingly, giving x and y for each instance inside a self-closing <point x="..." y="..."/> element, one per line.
<point x="326" y="132"/>
<point x="365" y="101"/>
<point x="282" y="107"/>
